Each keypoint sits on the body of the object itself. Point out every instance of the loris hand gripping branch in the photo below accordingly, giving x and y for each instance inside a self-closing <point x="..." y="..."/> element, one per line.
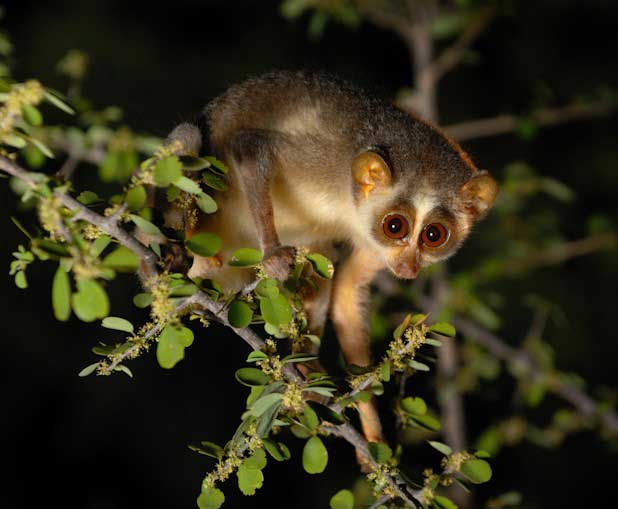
<point x="317" y="163"/>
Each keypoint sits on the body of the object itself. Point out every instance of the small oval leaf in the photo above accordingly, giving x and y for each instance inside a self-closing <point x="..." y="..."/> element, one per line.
<point x="116" y="323"/>
<point x="61" y="295"/>
<point x="315" y="456"/>
<point x="251" y="377"/>
<point x="204" y="244"/>
<point x="343" y="499"/>
<point x="245" y="257"/>
<point x="240" y="314"/>
<point x="477" y="470"/>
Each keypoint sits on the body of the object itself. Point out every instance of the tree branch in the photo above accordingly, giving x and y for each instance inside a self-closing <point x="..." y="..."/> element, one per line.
<point x="562" y="252"/>
<point x="504" y="124"/>
<point x="499" y="348"/>
<point x="108" y="225"/>
<point x="353" y="437"/>
<point x="454" y="54"/>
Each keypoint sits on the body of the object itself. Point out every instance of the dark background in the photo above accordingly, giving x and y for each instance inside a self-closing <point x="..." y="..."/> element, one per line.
<point x="116" y="442"/>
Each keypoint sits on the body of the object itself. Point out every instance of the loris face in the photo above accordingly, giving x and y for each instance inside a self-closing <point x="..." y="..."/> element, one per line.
<point x="415" y="225"/>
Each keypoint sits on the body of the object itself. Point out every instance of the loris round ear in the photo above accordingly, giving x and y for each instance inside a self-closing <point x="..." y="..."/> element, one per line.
<point x="479" y="193"/>
<point x="371" y="173"/>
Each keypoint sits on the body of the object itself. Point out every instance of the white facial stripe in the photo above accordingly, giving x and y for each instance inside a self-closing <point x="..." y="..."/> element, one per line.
<point x="423" y="205"/>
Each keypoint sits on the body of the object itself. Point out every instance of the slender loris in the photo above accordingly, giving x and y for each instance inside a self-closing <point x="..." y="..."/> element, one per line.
<point x="318" y="163"/>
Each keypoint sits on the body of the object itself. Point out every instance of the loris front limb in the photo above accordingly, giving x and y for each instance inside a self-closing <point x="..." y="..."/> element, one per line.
<point x="348" y="312"/>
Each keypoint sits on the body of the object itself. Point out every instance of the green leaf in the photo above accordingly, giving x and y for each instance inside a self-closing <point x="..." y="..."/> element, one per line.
<point x="477" y="470"/>
<point x="142" y="300"/>
<point x="216" y="163"/>
<point x="275" y="331"/>
<point x="267" y="287"/>
<point x="256" y="355"/>
<point x="32" y="115"/>
<point x="189" y="186"/>
<point x="343" y="499"/>
<point x="14" y="141"/>
<point x="90" y="302"/>
<point x="439" y="446"/>
<point x="251" y="377"/>
<point x="122" y="260"/>
<point x="136" y="198"/>
<point x="278" y="450"/>
<point x="397" y="333"/>
<point x="122" y="368"/>
<point x="249" y="480"/>
<point x="323" y="391"/>
<point x="414" y="405"/>
<point x="276" y="311"/>
<point x="315" y="456"/>
<point x="171" y="346"/>
<point x="99" y="244"/>
<point x="204" y="244"/>
<point x="418" y="366"/>
<point x="322" y="265"/>
<point x="418" y="319"/>
<point x="240" y="314"/>
<point x="427" y="422"/>
<point x="210" y="498"/>
<point x="88" y="370"/>
<point x="380" y="452"/>
<point x="144" y="225"/>
<point x="167" y="171"/>
<point x="61" y="295"/>
<point x="214" y="181"/>
<point x="265" y="403"/>
<point x="443" y="328"/>
<point x="206" y="203"/>
<point x="377" y="388"/>
<point x="298" y="357"/>
<point x="310" y="418"/>
<point x="245" y="257"/>
<point x="208" y="449"/>
<point x="88" y="198"/>
<point x="443" y="502"/>
<point x="58" y="103"/>
<point x="325" y="413"/>
<point x="257" y="461"/>
<point x="116" y="323"/>
<point x="191" y="163"/>
<point x="386" y="371"/>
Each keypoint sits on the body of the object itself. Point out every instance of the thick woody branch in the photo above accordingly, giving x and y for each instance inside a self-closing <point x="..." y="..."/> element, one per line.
<point x="504" y="124"/>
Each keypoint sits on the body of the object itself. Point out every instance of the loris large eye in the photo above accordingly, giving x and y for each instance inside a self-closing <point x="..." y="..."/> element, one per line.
<point x="395" y="226"/>
<point x="434" y="235"/>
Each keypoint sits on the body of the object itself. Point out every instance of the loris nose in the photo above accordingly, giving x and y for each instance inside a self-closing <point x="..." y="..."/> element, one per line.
<point x="407" y="270"/>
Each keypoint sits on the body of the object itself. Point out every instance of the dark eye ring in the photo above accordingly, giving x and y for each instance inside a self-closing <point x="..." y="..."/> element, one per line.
<point x="434" y="235"/>
<point x="395" y="226"/>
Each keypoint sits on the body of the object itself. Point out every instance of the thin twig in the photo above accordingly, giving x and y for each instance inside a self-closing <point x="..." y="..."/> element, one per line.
<point x="503" y="124"/>
<point x="568" y="391"/>
<point x="454" y="54"/>
<point x="562" y="252"/>
<point x="353" y="437"/>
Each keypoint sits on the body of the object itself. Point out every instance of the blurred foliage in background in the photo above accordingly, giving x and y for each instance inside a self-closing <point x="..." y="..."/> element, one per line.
<point x="532" y="293"/>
